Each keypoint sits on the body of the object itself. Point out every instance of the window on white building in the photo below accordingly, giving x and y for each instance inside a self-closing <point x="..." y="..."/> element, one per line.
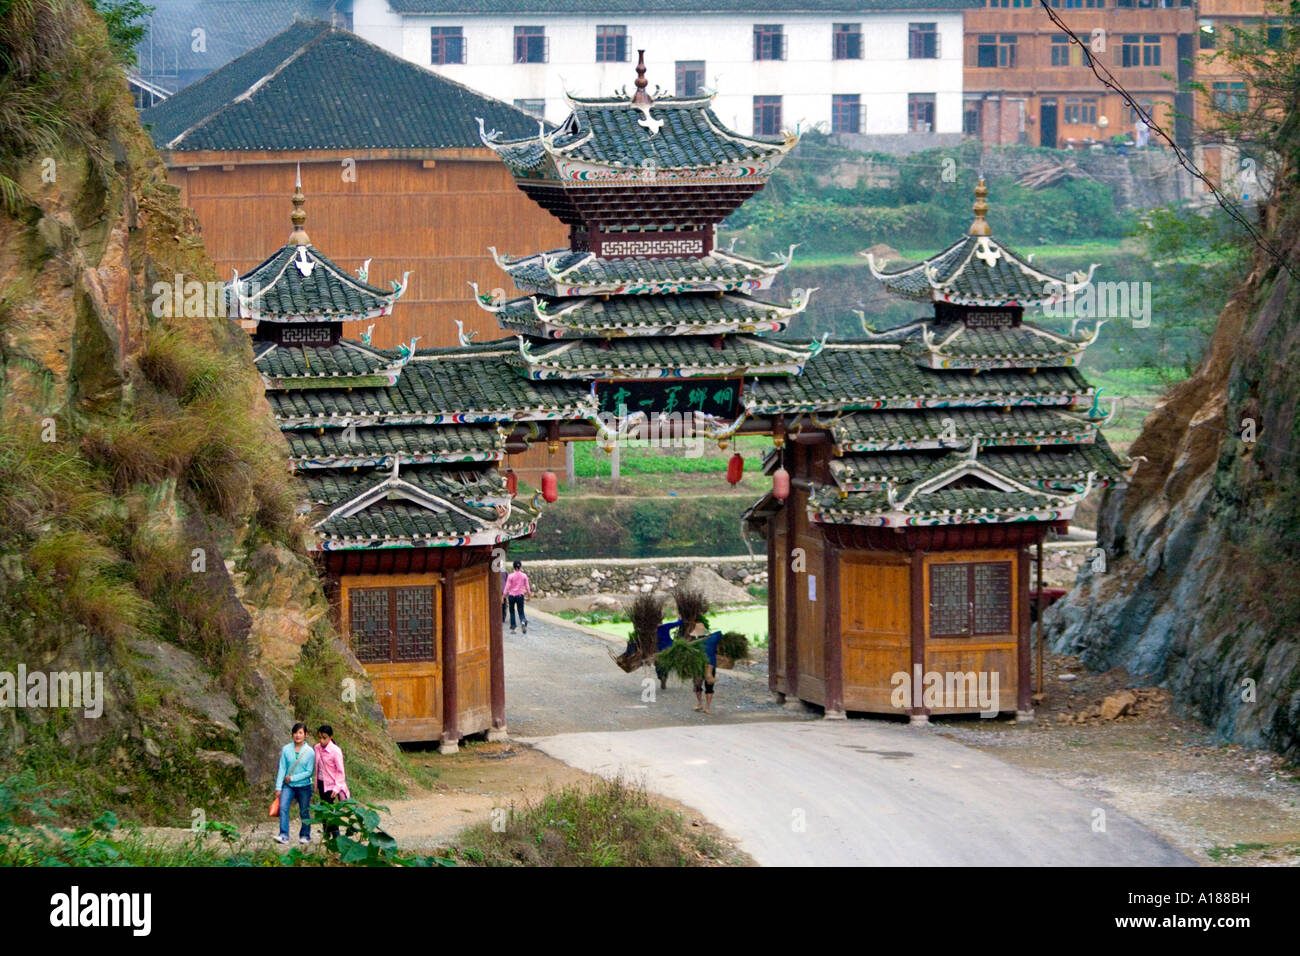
<point x="611" y="44"/>
<point x="920" y="112"/>
<point x="531" y="45"/>
<point x="922" y="41"/>
<point x="846" y="41"/>
<point x="767" y="116"/>
<point x="846" y="113"/>
<point x="690" y="77"/>
<point x="536" y="107"/>
<point x="446" y="45"/>
<point x="769" y="41"/>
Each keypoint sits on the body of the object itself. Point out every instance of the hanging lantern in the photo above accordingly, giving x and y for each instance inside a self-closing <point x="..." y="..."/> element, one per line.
<point x="550" y="486"/>
<point x="780" y="484"/>
<point x="735" y="469"/>
<point x="512" y="482"/>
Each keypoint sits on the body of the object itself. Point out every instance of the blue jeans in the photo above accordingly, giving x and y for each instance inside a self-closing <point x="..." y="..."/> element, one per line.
<point x="287" y="796"/>
<point x="517" y="601"/>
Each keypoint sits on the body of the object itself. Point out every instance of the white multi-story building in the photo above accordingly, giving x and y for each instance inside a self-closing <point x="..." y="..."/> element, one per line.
<point x="847" y="66"/>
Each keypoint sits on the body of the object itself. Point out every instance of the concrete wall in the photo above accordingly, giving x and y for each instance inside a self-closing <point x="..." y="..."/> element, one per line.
<point x="806" y="79"/>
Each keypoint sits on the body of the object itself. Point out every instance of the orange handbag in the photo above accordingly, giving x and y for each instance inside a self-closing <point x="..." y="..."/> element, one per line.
<point x="275" y="807"/>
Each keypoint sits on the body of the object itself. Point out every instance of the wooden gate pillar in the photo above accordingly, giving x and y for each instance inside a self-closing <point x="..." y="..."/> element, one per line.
<point x="834" y="655"/>
<point x="450" y="742"/>
<point x="496" y="656"/>
<point x="917" y="713"/>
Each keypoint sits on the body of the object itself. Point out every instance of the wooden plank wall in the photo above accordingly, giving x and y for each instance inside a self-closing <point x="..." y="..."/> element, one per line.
<point x="436" y="222"/>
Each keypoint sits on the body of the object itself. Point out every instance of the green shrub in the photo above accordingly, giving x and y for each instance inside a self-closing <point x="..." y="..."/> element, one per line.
<point x="734" y="645"/>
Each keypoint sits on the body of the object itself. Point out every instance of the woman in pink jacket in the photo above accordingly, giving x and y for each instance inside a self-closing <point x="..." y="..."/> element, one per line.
<point x="331" y="782"/>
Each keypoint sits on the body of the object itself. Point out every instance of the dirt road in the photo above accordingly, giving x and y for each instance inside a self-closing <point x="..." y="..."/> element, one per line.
<point x="560" y="680"/>
<point x="866" y="793"/>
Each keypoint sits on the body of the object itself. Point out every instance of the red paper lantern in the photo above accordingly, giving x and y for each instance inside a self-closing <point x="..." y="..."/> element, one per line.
<point x="735" y="468"/>
<point x="550" y="486"/>
<point x="512" y="482"/>
<point x="780" y="484"/>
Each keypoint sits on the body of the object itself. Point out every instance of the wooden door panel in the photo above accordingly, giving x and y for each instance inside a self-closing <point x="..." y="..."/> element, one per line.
<point x="473" y="652"/>
<point x="875" y="627"/>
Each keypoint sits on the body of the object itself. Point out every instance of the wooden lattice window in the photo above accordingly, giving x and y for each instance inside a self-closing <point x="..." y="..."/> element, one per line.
<point x="368" y="608"/>
<point x="415" y="625"/>
<point x="970" y="598"/>
<point x="393" y="624"/>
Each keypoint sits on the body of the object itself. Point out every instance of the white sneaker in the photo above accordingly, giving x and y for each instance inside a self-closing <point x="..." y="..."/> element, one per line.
<point x="280" y="838"/>
<point x="304" y="839"/>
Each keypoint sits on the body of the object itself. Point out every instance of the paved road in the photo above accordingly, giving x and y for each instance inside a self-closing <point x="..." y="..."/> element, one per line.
<point x="865" y="793"/>
<point x="560" y="680"/>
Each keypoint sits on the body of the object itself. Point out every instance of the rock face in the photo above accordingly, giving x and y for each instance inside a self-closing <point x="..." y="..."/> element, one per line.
<point x="146" y="529"/>
<point x="1201" y="591"/>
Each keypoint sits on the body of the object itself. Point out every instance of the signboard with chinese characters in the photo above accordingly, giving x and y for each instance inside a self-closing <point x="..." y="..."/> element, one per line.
<point x="719" y="397"/>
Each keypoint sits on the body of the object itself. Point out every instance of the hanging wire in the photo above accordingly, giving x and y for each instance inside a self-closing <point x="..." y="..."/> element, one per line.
<point x="1231" y="208"/>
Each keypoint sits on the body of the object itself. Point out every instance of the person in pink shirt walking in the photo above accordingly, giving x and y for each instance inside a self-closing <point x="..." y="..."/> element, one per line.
<point x="331" y="782"/>
<point x="517" y="587"/>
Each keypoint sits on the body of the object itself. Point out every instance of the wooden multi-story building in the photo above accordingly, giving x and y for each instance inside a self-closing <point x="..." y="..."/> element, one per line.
<point x="1025" y="82"/>
<point x="389" y="153"/>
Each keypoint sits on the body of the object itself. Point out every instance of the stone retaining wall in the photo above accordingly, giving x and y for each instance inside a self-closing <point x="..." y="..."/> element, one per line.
<point x="571" y="578"/>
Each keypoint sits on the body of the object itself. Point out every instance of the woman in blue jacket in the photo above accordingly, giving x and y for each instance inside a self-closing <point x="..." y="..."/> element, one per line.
<point x="293" y="782"/>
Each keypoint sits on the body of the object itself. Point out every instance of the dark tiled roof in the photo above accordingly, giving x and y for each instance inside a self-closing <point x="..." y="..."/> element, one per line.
<point x="963" y="272"/>
<point x="1020" y="342"/>
<point x="230" y="29"/>
<point x="412" y="441"/>
<point x="460" y="485"/>
<point x="347" y="359"/>
<point x="643" y="315"/>
<point x="854" y="377"/>
<point x="608" y="132"/>
<point x="631" y="355"/>
<point x="318" y="87"/>
<point x="278" y="288"/>
<point x="718" y="270"/>
<point x="397" y="521"/>
<point x="437" y="385"/>
<point x="1072" y="462"/>
<point x="557" y="7"/>
<point x="970" y="501"/>
<point x="993" y="426"/>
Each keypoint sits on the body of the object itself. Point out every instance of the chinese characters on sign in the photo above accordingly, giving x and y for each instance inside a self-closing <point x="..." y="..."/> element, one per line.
<point x="719" y="397"/>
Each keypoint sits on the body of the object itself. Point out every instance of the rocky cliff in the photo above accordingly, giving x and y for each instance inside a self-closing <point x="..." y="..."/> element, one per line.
<point x="1201" y="587"/>
<point x="147" y="530"/>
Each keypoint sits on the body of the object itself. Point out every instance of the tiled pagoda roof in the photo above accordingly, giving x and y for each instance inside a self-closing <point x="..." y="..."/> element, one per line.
<point x="935" y="428"/>
<point x="412" y="444"/>
<point x="695" y="313"/>
<point x="1047" y="469"/>
<point x="347" y="363"/>
<point x="564" y="272"/>
<point x="460" y="385"/>
<point x="614" y="135"/>
<point x="662" y="356"/>
<point x="853" y="376"/>
<point x="299" y="284"/>
<point x="978" y="270"/>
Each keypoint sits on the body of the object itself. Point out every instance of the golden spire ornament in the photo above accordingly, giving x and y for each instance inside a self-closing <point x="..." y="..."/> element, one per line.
<point x="980" y="226"/>
<point x="299" y="235"/>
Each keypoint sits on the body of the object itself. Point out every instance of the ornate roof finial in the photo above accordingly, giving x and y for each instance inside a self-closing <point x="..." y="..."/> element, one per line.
<point x="299" y="235"/>
<point x="980" y="226"/>
<point x="641" y="97"/>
